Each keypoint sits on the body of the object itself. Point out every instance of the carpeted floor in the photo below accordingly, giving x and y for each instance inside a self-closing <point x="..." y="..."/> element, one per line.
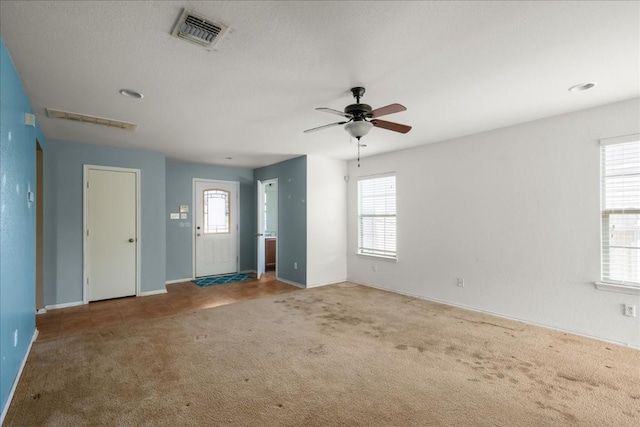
<point x="342" y="355"/>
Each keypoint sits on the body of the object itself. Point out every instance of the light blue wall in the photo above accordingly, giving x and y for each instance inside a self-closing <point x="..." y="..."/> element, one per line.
<point x="179" y="234"/>
<point x="63" y="177"/>
<point x="292" y="216"/>
<point x="17" y="224"/>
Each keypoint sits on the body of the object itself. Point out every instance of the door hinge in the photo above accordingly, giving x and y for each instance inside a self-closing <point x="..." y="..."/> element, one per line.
<point x="87" y="280"/>
<point x="87" y="184"/>
<point x="87" y="232"/>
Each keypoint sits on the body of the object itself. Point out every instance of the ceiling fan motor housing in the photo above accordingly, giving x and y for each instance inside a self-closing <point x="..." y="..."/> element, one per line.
<point x="358" y="110"/>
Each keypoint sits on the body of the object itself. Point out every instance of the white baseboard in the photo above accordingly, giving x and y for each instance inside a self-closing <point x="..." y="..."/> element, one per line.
<point x="42" y="310"/>
<point x="317" y="285"/>
<point x="17" y="379"/>
<point x="171" y="282"/>
<point x="528" y="322"/>
<point x="289" y="282"/>
<point x="63" y="305"/>
<point x="156" y="292"/>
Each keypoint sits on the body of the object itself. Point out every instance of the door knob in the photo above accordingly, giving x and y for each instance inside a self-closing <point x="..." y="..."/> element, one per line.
<point x="259" y="235"/>
<point x="131" y="240"/>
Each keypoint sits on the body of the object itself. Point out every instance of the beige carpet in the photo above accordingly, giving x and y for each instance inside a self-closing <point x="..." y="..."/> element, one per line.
<point x="343" y="355"/>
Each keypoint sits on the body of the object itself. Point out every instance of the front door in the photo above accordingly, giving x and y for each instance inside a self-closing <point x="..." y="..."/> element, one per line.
<point x="216" y="227"/>
<point x="111" y="204"/>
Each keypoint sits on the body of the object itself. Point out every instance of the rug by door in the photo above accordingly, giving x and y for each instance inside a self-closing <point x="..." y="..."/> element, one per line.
<point x="221" y="280"/>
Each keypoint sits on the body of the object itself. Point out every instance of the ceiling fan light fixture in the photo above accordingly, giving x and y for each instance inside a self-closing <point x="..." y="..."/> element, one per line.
<point x="358" y="128"/>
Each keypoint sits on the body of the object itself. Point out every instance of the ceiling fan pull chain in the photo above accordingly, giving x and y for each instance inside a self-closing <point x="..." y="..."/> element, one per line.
<point x="358" y="151"/>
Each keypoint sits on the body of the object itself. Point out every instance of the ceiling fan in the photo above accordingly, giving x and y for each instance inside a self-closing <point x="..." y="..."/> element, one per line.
<point x="361" y="117"/>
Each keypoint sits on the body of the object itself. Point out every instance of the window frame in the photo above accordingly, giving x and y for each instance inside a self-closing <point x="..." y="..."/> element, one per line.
<point x="205" y="205"/>
<point x="606" y="283"/>
<point x="360" y="216"/>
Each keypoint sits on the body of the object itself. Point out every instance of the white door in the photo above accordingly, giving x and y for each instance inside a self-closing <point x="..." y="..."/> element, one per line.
<point x="111" y="205"/>
<point x="260" y="228"/>
<point x="216" y="227"/>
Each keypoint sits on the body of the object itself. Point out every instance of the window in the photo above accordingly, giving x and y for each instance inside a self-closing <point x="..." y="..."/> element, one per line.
<point x="377" y="216"/>
<point x="620" y="194"/>
<point x="216" y="211"/>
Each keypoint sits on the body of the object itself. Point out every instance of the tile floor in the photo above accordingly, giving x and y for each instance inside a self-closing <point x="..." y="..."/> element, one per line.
<point x="180" y="298"/>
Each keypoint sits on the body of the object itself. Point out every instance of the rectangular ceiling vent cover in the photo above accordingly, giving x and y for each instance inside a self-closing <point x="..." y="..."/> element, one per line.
<point x="83" y="118"/>
<point x="198" y="29"/>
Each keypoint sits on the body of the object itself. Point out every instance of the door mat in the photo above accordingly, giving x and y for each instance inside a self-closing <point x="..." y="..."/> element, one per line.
<point x="221" y="280"/>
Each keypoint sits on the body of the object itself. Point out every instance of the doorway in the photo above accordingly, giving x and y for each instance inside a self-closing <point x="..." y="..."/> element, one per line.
<point x="111" y="232"/>
<point x="267" y="226"/>
<point x="216" y="227"/>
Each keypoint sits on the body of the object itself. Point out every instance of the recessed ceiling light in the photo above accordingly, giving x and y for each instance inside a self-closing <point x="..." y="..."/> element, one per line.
<point x="131" y="93"/>
<point x="582" y="86"/>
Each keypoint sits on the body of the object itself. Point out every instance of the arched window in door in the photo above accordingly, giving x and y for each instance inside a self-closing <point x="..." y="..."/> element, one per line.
<point x="217" y="209"/>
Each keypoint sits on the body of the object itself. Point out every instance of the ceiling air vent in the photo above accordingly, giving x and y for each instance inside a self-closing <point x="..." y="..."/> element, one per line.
<point x="198" y="29"/>
<point x="83" y="118"/>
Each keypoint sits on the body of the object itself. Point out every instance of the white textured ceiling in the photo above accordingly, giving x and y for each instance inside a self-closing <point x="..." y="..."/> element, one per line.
<point x="459" y="68"/>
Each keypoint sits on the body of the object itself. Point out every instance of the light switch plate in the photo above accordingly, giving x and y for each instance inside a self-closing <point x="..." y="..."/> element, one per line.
<point x="175" y="216"/>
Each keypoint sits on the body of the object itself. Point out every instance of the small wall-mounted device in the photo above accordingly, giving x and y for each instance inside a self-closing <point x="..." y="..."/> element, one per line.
<point x="31" y="197"/>
<point x="30" y="119"/>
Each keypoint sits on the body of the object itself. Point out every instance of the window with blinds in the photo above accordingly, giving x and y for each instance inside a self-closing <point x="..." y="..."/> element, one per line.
<point x="621" y="211"/>
<point x="377" y="216"/>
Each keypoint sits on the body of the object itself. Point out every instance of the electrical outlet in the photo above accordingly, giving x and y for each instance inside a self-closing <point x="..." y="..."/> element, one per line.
<point x="295" y="265"/>
<point x="630" y="310"/>
<point x="461" y="283"/>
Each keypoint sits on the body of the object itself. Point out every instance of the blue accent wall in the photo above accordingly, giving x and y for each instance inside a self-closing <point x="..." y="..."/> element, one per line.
<point x="63" y="177"/>
<point x="17" y="224"/>
<point x="292" y="216"/>
<point x="180" y="232"/>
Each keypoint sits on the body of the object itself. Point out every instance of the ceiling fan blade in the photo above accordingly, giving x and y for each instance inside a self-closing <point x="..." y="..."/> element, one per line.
<point x="336" y="112"/>
<point x="324" y="127"/>
<point x="389" y="109"/>
<point x="396" y="127"/>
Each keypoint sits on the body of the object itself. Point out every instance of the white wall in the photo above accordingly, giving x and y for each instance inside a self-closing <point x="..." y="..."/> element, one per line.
<point x="326" y="221"/>
<point x="515" y="212"/>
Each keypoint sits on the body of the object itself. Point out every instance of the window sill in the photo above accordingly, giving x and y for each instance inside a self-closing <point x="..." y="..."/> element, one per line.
<point x="378" y="257"/>
<point x="617" y="287"/>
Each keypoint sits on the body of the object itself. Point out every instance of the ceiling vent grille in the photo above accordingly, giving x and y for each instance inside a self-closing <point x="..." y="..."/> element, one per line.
<point x="198" y="29"/>
<point x="83" y="118"/>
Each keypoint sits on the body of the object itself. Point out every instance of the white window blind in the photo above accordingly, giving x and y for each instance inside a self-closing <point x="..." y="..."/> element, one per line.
<point x="621" y="212"/>
<point x="377" y="216"/>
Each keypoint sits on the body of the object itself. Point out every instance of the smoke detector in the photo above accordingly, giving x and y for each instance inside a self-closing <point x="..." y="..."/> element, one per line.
<point x="197" y="29"/>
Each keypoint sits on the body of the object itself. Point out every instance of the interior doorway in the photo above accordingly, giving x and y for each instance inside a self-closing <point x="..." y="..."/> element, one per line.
<point x="267" y="226"/>
<point x="111" y="232"/>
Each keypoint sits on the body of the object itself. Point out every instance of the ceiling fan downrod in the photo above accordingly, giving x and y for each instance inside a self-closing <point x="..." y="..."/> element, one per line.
<point x="357" y="92"/>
